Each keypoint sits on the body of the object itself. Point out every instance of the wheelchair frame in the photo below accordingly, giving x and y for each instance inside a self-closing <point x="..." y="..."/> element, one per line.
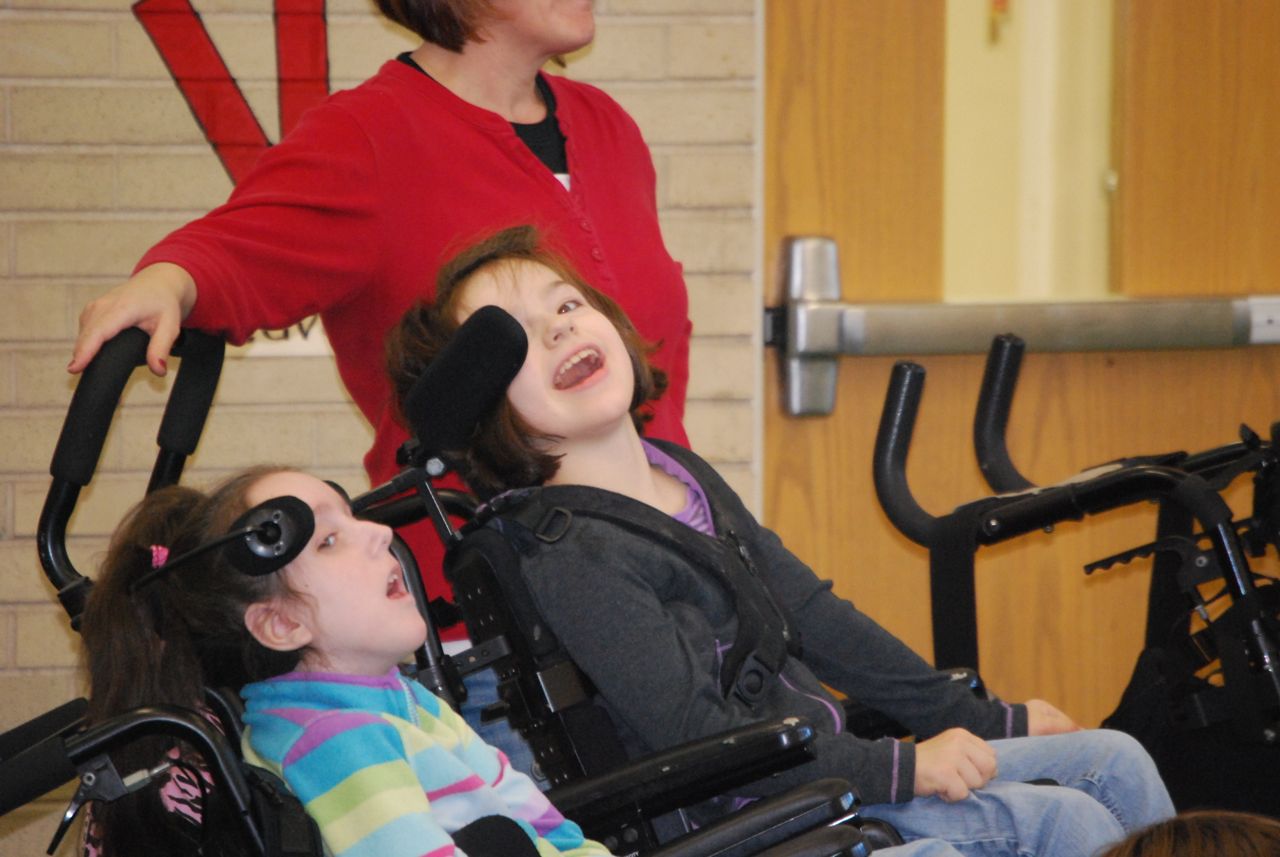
<point x="55" y="748"/>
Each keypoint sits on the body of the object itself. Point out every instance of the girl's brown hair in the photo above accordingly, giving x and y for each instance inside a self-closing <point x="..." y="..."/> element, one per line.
<point x="165" y="641"/>
<point x="504" y="451"/>
<point x="1204" y="833"/>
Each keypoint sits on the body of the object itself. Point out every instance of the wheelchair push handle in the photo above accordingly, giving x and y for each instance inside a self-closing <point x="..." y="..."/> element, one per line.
<point x="991" y="416"/>
<point x="84" y="432"/>
<point x="96" y="397"/>
<point x="889" y="461"/>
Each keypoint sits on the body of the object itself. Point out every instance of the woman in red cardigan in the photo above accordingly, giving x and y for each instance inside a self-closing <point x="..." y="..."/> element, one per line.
<point x="351" y="214"/>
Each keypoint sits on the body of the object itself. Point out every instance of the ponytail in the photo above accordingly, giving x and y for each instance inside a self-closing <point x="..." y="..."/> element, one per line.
<point x="165" y="641"/>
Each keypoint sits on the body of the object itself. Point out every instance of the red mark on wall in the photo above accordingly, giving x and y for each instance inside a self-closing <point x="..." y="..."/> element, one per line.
<point x="215" y="99"/>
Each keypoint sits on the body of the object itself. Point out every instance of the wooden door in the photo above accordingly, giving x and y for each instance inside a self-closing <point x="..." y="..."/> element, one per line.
<point x="853" y="149"/>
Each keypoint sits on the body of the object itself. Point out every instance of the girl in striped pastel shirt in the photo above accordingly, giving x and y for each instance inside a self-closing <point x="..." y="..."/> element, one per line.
<point x="382" y="765"/>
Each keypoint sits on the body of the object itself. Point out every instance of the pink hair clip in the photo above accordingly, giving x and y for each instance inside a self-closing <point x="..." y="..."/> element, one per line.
<point x="159" y="555"/>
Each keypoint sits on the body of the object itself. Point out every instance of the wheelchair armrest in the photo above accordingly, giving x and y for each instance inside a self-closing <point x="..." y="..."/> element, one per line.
<point x="768" y="822"/>
<point x="840" y="841"/>
<point x="687" y="774"/>
<point x="56" y="721"/>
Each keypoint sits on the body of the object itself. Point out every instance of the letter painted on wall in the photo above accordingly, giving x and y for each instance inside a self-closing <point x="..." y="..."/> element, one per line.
<point x="224" y="115"/>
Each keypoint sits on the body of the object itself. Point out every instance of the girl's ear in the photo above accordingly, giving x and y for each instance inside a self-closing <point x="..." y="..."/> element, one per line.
<point x="275" y="626"/>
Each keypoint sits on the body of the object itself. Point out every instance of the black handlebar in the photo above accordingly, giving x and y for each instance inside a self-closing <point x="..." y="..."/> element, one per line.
<point x="991" y="417"/>
<point x="84" y="432"/>
<point x="889" y="460"/>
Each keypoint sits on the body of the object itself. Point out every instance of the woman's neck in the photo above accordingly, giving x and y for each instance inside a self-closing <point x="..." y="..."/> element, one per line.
<point x="618" y="463"/>
<point x="490" y="76"/>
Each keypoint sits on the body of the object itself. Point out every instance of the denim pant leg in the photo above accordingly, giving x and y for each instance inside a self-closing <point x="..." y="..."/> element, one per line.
<point x="1109" y="766"/>
<point x="1108" y="786"/>
<point x="482" y="691"/>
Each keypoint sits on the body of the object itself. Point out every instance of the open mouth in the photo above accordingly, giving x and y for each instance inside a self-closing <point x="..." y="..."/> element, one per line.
<point x="395" y="585"/>
<point x="578" y="368"/>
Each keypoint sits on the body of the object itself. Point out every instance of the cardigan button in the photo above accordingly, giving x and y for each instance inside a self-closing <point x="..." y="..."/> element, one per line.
<point x="597" y="254"/>
<point x="585" y="224"/>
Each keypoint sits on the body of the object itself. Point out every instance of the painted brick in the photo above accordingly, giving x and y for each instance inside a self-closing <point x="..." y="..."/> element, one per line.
<point x="723" y="304"/>
<point x="28" y="440"/>
<point x="246" y="43"/>
<point x="48" y="248"/>
<point x="45" y="639"/>
<point x="8" y="638"/>
<point x="35" y="181"/>
<point x="622" y="51"/>
<point x="280" y="380"/>
<point x="59" y="6"/>
<point x="721" y="431"/>
<point x="711" y="177"/>
<point x="41" y="378"/>
<point x="34" y="309"/>
<point x="721" y="368"/>
<point x="712" y="241"/>
<point x="703" y="113"/>
<point x="342" y="436"/>
<point x="358" y="46"/>
<point x="155" y="114"/>
<point x="36" y="47"/>
<point x="99" y="509"/>
<point x="6" y="248"/>
<point x="7" y="381"/>
<point x="22" y="581"/>
<point x="8" y="505"/>
<point x="158" y="181"/>
<point x="136" y="55"/>
<point x="723" y="49"/>
<point x="29" y="693"/>
<point x="28" y="829"/>
<point x="233" y="437"/>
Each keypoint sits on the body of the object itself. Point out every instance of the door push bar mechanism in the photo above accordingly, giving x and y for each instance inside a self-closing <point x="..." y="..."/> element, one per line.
<point x="813" y="327"/>
<point x="953" y="539"/>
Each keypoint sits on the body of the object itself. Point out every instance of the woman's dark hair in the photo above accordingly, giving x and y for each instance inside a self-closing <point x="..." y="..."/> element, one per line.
<point x="447" y="23"/>
<point x="504" y="451"/>
<point x="164" y="642"/>
<point x="1203" y="833"/>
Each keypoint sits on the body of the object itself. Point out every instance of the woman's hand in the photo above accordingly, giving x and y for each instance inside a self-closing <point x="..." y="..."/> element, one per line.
<point x="1046" y="719"/>
<point x="156" y="299"/>
<point x="953" y="763"/>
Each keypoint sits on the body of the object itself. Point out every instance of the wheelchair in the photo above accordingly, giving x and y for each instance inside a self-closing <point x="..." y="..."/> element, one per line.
<point x="616" y="802"/>
<point x="1216" y="742"/>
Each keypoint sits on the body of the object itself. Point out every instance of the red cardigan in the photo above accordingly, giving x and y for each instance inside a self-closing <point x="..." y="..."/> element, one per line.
<point x="353" y="212"/>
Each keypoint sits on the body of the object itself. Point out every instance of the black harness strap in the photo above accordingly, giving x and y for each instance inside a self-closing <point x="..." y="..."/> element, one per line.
<point x="765" y="632"/>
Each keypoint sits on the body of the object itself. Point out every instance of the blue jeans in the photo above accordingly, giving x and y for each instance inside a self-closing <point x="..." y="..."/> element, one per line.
<point x="1108" y="786"/>
<point x="482" y="691"/>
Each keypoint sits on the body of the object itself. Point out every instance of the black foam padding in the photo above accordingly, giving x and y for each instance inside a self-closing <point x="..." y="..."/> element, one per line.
<point x="466" y="381"/>
<point x="94" y="404"/>
<point x="40" y="768"/>
<point x="193" y="390"/>
<point x="494" y="836"/>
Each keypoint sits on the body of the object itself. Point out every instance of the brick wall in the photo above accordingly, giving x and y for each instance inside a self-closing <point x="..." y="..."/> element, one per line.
<point x="99" y="157"/>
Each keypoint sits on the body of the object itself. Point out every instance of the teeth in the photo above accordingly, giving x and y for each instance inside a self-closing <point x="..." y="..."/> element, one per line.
<point x="574" y="361"/>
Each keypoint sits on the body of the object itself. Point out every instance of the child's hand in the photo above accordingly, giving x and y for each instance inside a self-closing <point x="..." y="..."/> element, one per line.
<point x="952" y="764"/>
<point x="1046" y="719"/>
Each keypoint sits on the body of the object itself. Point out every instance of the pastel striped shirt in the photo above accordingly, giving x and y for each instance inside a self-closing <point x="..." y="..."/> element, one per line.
<point x="386" y="769"/>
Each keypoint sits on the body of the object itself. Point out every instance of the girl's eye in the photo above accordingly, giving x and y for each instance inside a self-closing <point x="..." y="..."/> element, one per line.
<point x="569" y="306"/>
<point x="328" y="541"/>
